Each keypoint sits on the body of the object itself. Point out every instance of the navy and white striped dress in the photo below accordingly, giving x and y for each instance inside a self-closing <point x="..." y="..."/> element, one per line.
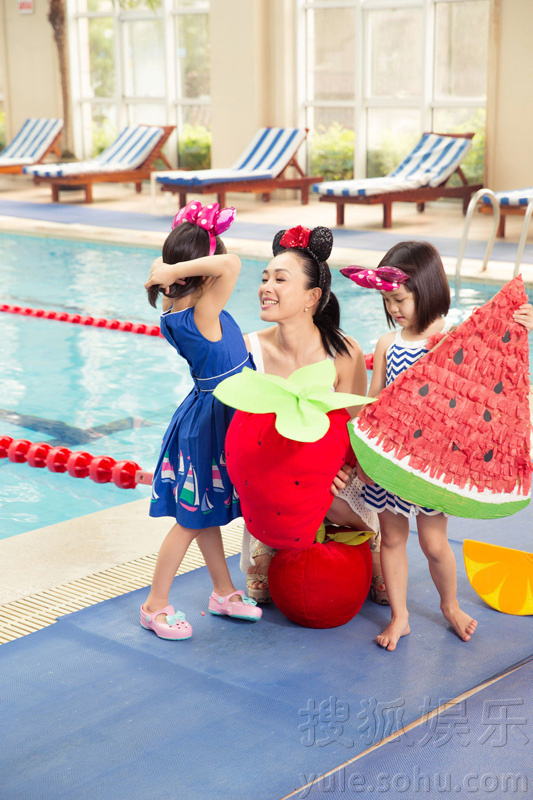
<point x="400" y="355"/>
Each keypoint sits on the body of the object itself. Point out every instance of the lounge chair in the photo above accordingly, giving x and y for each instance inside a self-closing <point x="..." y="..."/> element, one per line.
<point x="422" y="176"/>
<point x="34" y="141"/>
<point x="516" y="201"/>
<point x="130" y="158"/>
<point x="261" y="168"/>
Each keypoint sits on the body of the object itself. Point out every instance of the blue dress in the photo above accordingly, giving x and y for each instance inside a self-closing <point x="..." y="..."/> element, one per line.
<point x="191" y="481"/>
<point x="400" y="355"/>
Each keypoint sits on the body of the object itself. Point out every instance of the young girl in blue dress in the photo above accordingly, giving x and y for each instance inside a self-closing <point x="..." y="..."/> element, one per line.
<point x="191" y="483"/>
<point x="416" y="297"/>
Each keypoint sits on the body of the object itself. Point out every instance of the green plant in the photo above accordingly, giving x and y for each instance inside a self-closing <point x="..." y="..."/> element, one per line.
<point x="194" y="147"/>
<point x="104" y="133"/>
<point x="473" y="166"/>
<point x="391" y="152"/>
<point x="332" y="152"/>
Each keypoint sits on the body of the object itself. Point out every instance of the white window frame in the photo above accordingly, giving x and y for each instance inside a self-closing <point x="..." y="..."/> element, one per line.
<point x="362" y="102"/>
<point x="170" y="98"/>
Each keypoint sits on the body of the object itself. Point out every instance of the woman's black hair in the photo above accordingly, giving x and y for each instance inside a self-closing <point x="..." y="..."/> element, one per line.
<point x="186" y="242"/>
<point x="427" y="280"/>
<point x="313" y="258"/>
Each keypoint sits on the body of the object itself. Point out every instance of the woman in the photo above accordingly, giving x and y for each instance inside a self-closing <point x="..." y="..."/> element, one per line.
<point x="295" y="295"/>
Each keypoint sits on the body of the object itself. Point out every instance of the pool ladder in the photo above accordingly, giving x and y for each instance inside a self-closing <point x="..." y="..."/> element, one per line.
<point x="490" y="243"/>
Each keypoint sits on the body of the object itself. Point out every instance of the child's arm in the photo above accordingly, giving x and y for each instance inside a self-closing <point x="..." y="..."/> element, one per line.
<point x="524" y="316"/>
<point x="379" y="369"/>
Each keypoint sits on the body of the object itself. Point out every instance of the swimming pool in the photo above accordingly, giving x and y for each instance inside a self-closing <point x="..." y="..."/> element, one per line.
<point x="106" y="391"/>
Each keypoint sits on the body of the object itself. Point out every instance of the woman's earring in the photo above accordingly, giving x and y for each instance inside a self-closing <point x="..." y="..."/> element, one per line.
<point x="305" y="309"/>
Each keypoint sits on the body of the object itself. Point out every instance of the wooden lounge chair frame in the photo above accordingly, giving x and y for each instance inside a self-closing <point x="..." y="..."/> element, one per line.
<point x="264" y="186"/>
<point x="518" y="211"/>
<point x="53" y="147"/>
<point x="86" y="181"/>
<point x="419" y="196"/>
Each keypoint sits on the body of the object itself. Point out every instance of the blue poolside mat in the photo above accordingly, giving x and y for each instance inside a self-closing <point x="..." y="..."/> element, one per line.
<point x="481" y="748"/>
<point x="515" y="531"/>
<point x="95" y="707"/>
<point x="344" y="237"/>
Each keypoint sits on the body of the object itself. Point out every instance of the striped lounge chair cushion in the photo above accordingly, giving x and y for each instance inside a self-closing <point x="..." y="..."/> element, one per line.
<point x="430" y="163"/>
<point x="266" y="156"/>
<point x="128" y="152"/>
<point x="31" y="142"/>
<point x="516" y="197"/>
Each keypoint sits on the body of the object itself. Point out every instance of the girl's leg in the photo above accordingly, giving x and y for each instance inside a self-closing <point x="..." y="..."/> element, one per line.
<point x="210" y="543"/>
<point x="432" y="534"/>
<point x="171" y="554"/>
<point x="394" y="533"/>
<point x="341" y="513"/>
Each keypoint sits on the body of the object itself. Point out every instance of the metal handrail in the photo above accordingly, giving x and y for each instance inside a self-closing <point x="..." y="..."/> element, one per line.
<point x="523" y="237"/>
<point x="490" y="243"/>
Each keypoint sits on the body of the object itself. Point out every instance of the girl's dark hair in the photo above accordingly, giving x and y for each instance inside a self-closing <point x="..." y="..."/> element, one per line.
<point x="327" y="315"/>
<point x="185" y="243"/>
<point x="427" y="280"/>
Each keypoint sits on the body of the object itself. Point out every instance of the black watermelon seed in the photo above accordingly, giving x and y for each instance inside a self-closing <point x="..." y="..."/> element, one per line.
<point x="453" y="402"/>
<point x="423" y="390"/>
<point x="459" y="356"/>
<point x="488" y="456"/>
<point x="455" y="447"/>
<point x="498" y="388"/>
<point x="417" y="433"/>
<point x="507" y="337"/>
<point x="487" y="416"/>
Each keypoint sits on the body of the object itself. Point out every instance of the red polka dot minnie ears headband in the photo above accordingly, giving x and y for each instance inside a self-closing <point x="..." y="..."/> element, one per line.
<point x="318" y="243"/>
<point x="212" y="219"/>
<point x="385" y="279"/>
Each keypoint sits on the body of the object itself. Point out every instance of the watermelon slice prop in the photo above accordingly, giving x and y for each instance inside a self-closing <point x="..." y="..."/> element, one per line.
<point x="284" y="446"/>
<point x="452" y="432"/>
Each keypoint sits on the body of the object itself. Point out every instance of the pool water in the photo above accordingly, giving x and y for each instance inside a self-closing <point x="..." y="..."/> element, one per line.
<point x="105" y="391"/>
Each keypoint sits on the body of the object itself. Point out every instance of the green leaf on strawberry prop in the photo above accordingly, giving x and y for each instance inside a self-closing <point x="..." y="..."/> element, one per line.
<point x="300" y="402"/>
<point x="342" y="535"/>
<point x="285" y="444"/>
<point x="452" y="432"/>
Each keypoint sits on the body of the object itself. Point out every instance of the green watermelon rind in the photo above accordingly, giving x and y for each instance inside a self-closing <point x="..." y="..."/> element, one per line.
<point x="421" y="491"/>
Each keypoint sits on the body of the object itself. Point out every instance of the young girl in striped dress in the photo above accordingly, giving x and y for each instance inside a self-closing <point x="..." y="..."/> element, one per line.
<point x="416" y="297"/>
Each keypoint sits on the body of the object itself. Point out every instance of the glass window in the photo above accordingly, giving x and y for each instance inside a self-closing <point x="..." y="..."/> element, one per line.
<point x="331" y="143"/>
<point x="193" y="62"/>
<point x="394" y="39"/>
<point x="391" y="135"/>
<point x="331" y="37"/>
<point x="461" y="49"/>
<point x="465" y="120"/>
<point x="144" y="59"/>
<point x="100" y="75"/>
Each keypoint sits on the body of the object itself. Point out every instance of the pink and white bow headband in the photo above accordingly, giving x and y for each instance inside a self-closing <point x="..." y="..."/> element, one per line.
<point x="210" y="218"/>
<point x="386" y="279"/>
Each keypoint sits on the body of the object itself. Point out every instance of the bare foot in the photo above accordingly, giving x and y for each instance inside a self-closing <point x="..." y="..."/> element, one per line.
<point x="397" y="627"/>
<point x="460" y="621"/>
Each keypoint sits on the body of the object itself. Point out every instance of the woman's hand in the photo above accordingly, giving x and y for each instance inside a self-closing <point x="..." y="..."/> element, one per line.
<point x="524" y="316"/>
<point x="341" y="479"/>
<point x="162" y="274"/>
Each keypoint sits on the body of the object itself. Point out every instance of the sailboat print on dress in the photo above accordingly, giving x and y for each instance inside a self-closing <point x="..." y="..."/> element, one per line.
<point x="189" y="497"/>
<point x="222" y="459"/>
<point x="218" y="486"/>
<point x="207" y="505"/>
<point x="234" y="496"/>
<point x="167" y="473"/>
<point x="181" y="467"/>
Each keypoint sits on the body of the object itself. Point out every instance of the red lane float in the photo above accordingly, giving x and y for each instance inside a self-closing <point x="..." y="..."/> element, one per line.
<point x="79" y="319"/>
<point x="78" y="464"/>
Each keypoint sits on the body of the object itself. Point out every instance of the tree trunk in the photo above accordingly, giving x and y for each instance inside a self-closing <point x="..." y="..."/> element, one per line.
<point x="56" y="18"/>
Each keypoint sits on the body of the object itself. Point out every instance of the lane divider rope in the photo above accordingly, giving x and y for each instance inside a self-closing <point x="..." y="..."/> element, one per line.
<point x="80" y="319"/>
<point x="79" y="464"/>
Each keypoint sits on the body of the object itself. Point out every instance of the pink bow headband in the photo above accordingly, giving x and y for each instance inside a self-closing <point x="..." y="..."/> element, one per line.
<point x="211" y="219"/>
<point x="386" y="279"/>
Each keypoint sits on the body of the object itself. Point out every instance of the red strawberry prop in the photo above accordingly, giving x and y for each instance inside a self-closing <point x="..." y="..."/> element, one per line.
<point x="285" y="445"/>
<point x="325" y="585"/>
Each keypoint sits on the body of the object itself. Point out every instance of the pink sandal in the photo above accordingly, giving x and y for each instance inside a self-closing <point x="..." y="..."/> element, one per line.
<point x="174" y="627"/>
<point x="245" y="609"/>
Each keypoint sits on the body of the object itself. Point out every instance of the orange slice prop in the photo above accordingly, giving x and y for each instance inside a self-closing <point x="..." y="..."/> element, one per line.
<point x="502" y="577"/>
